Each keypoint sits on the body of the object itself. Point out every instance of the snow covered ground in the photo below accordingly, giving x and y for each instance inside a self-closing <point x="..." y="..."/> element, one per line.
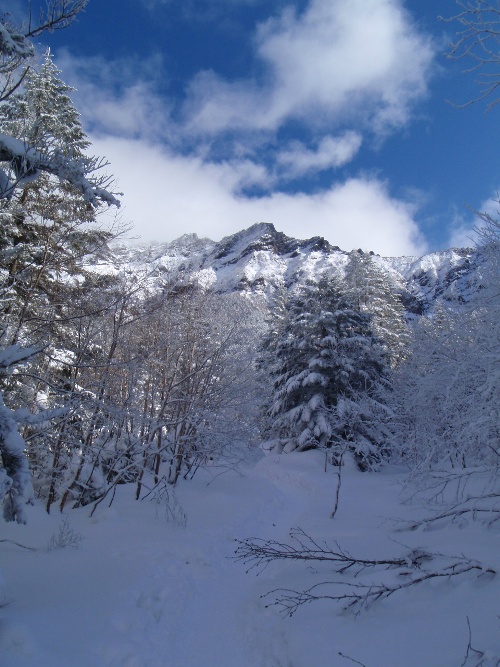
<point x="143" y="591"/>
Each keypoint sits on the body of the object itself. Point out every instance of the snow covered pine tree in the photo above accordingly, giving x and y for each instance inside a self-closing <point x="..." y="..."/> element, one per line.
<point x="24" y="160"/>
<point x="327" y="369"/>
<point x="371" y="291"/>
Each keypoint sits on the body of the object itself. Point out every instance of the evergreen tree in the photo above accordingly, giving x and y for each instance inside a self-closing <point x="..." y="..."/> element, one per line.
<point x="327" y="371"/>
<point x="25" y="269"/>
<point x="43" y="114"/>
<point x="370" y="290"/>
<point x="45" y="232"/>
<point x="22" y="161"/>
<point x="45" y="236"/>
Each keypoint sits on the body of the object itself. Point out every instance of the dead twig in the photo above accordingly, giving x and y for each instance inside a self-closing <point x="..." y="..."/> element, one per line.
<point x="23" y="546"/>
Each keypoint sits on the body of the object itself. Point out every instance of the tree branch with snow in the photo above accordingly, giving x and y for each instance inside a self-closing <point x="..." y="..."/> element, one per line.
<point x="413" y="568"/>
<point x="26" y="163"/>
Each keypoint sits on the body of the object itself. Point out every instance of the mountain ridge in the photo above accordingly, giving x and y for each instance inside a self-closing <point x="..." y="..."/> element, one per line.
<point x="261" y="259"/>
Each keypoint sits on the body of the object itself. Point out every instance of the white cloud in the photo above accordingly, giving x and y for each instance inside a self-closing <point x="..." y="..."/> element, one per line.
<point x="339" y="60"/>
<point x="331" y="152"/>
<point x="463" y="231"/>
<point x="118" y="97"/>
<point x="167" y="195"/>
<point x="337" y="66"/>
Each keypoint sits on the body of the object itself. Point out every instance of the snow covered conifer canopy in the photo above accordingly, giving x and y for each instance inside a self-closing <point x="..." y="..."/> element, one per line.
<point x="28" y="163"/>
<point x="33" y="218"/>
<point x="24" y="161"/>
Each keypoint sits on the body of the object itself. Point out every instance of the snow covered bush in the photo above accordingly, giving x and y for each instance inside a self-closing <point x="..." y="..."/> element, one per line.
<point x="15" y="477"/>
<point x="447" y="394"/>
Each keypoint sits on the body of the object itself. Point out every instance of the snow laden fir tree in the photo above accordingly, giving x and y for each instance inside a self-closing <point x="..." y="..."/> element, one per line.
<point x="371" y="292"/>
<point x="45" y="229"/>
<point x="46" y="203"/>
<point x="328" y="370"/>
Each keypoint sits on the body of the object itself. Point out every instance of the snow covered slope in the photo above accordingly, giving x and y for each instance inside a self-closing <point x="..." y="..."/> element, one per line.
<point x="140" y="591"/>
<point x="261" y="259"/>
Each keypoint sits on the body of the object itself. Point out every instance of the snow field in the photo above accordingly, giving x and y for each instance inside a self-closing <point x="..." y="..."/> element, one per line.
<point x="142" y="592"/>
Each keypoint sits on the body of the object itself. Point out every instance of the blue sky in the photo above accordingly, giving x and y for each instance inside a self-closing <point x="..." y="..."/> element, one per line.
<point x="324" y="117"/>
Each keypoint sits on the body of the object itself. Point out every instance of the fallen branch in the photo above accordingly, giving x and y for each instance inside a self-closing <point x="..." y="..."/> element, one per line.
<point x="358" y="596"/>
<point x="475" y="507"/>
<point x="412" y="569"/>
<point x="23" y="546"/>
<point x="347" y="657"/>
<point x="259" y="553"/>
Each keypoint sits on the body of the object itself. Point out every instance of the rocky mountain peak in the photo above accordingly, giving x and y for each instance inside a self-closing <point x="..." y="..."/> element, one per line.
<point x="260" y="259"/>
<point x="264" y="236"/>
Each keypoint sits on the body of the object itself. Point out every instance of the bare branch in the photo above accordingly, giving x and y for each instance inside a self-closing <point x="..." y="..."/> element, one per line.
<point x="59" y="14"/>
<point x="339" y="483"/>
<point x="358" y="596"/>
<point x="347" y="657"/>
<point x="478" y="41"/>
<point x="476" y="658"/>
<point x="15" y="41"/>
<point x="18" y="544"/>
<point x="259" y="553"/>
<point x="412" y="569"/>
<point x="475" y="507"/>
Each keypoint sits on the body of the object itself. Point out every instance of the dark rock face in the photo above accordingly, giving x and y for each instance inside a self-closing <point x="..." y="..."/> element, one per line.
<point x="263" y="236"/>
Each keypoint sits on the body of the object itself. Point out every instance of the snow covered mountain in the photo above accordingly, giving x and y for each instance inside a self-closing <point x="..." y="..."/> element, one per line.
<point x="261" y="259"/>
